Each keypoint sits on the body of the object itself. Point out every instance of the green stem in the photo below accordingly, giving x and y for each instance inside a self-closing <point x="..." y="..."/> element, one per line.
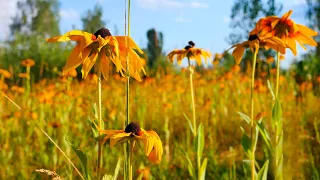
<point x="100" y="124"/>
<point x="278" y="74"/>
<point x="128" y="166"/>
<point x="278" y="131"/>
<point x="192" y="100"/>
<point x="252" y="117"/>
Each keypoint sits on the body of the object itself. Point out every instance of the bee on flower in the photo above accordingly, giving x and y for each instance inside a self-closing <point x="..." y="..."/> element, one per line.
<point x="191" y="52"/>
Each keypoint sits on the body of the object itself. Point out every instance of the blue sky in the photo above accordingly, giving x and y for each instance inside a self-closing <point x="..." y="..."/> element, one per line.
<point x="206" y="22"/>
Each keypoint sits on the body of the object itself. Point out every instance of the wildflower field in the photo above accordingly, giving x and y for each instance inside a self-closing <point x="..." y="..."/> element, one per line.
<point x="104" y="114"/>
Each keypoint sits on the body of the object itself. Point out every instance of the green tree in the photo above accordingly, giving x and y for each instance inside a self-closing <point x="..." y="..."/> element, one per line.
<point x="35" y="21"/>
<point x="154" y="47"/>
<point x="36" y="17"/>
<point x="92" y="20"/>
<point x="245" y="14"/>
<point x="313" y="14"/>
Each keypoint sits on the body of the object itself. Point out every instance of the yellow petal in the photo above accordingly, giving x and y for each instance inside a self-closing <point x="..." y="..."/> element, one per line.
<point x="118" y="137"/>
<point x="291" y="43"/>
<point x="104" y="64"/>
<point x="287" y="15"/>
<point x="238" y="52"/>
<point x="73" y="60"/>
<point x="306" y="31"/>
<point x="148" y="145"/>
<point x="132" y="44"/>
<point x="303" y="39"/>
<point x="74" y="35"/>
<point x="88" y="64"/>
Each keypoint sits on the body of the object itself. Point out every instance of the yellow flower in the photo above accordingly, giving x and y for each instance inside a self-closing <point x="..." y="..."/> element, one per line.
<point x="5" y="73"/>
<point x="287" y="30"/>
<point x="255" y="43"/>
<point x="27" y="63"/>
<point x="190" y="52"/>
<point x="23" y="75"/>
<point x="152" y="143"/>
<point x="17" y="89"/>
<point x="100" y="44"/>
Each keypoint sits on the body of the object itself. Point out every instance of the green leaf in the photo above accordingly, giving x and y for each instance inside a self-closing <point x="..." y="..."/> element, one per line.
<point x="189" y="122"/>
<point x="83" y="158"/>
<point x="262" y="174"/>
<point x="264" y="133"/>
<point x="276" y="111"/>
<point x="246" y="143"/>
<point x="116" y="171"/>
<point x="203" y="169"/>
<point x="191" y="170"/>
<point x="200" y="141"/>
<point x="245" y="117"/>
<point x="270" y="89"/>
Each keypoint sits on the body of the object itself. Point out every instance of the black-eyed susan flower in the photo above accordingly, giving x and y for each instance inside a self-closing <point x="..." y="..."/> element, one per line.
<point x="287" y="30"/>
<point x="101" y="46"/>
<point x="5" y="74"/>
<point x="152" y="143"/>
<point x="28" y="63"/>
<point x="190" y="52"/>
<point x="255" y="42"/>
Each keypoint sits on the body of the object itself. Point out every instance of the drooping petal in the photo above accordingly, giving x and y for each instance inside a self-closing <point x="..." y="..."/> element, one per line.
<point x="306" y="31"/>
<point x="88" y="64"/>
<point x="118" y="137"/>
<point x="291" y="43"/>
<point x="73" y="60"/>
<point x="104" y="64"/>
<point x="148" y="144"/>
<point x="115" y="53"/>
<point x="156" y="154"/>
<point x="122" y="42"/>
<point x="238" y="52"/>
<point x="305" y="39"/>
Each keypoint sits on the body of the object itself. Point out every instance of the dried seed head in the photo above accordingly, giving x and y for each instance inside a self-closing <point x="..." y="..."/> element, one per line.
<point x="133" y="128"/>
<point x="253" y="37"/>
<point x="187" y="47"/>
<point x="103" y="32"/>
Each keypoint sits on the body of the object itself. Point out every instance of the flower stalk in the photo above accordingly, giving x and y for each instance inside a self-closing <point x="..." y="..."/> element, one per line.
<point x="252" y="124"/>
<point x="128" y="153"/>
<point x="192" y="99"/>
<point x="99" y="121"/>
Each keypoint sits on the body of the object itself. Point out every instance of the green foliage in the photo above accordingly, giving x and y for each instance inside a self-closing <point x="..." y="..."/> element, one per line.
<point x="83" y="158"/>
<point x="245" y="13"/>
<point x="36" y="17"/>
<point x="154" y="47"/>
<point x="92" y="20"/>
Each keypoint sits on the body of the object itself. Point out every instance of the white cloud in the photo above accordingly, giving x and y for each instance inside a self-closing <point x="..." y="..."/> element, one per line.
<point x="226" y="19"/>
<point x="8" y="10"/>
<point x="182" y="18"/>
<point x="155" y="4"/>
<point x="69" y="14"/>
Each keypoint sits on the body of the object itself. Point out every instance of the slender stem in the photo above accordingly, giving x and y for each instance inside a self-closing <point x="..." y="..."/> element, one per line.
<point x="278" y="131"/>
<point x="100" y="125"/>
<point x="192" y="99"/>
<point x="252" y="117"/>
<point x="128" y="166"/>
<point x="278" y="74"/>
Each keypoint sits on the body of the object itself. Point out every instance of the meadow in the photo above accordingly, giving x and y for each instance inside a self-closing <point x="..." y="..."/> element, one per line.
<point x="63" y="108"/>
<point x="113" y="113"/>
